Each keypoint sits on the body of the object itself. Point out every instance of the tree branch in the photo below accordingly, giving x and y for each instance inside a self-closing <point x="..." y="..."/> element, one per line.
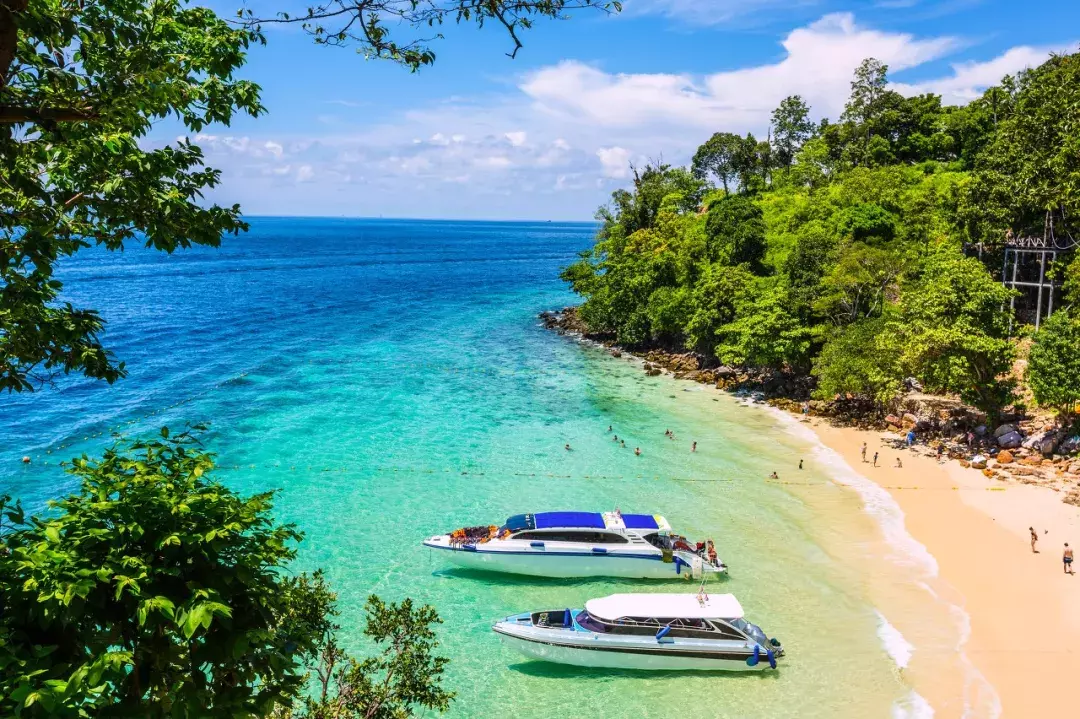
<point x="11" y="115"/>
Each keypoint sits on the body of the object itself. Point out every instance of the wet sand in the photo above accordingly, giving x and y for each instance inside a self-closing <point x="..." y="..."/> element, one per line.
<point x="1024" y="610"/>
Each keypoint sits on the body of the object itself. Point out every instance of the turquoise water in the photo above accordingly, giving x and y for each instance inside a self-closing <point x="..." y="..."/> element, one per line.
<point x="392" y="380"/>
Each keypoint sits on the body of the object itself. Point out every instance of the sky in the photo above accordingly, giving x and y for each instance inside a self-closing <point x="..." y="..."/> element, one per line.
<point x="551" y="133"/>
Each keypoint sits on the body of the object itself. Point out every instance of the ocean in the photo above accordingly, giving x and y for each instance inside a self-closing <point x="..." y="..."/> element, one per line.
<point x="391" y="379"/>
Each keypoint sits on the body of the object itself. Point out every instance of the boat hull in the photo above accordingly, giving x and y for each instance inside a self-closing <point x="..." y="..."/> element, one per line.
<point x="563" y="565"/>
<point x="594" y="654"/>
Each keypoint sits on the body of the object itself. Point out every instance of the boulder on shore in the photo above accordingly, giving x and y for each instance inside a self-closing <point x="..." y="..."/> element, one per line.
<point x="1004" y="429"/>
<point x="1004" y="457"/>
<point x="1010" y="440"/>
<point x="978" y="462"/>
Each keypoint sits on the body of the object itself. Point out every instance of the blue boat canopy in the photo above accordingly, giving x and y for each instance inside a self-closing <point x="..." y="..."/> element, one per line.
<point x="589" y="520"/>
<point x="519" y="522"/>
<point x="640" y="521"/>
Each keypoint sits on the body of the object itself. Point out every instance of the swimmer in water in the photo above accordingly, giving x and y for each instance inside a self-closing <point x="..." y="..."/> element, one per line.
<point x="568" y="447"/>
<point x="774" y="475"/>
<point x="622" y="442"/>
<point x="609" y="428"/>
<point x="693" y="447"/>
<point x="637" y="451"/>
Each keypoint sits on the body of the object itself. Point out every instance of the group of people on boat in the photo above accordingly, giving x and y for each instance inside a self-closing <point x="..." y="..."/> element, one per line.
<point x="476" y="535"/>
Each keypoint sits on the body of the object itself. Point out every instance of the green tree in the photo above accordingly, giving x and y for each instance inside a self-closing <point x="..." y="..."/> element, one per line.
<point x="153" y="591"/>
<point x="156" y="591"/>
<point x="735" y="232"/>
<point x="1054" y="362"/>
<point x="764" y="333"/>
<point x="716" y="157"/>
<point x="861" y="359"/>
<point x="865" y="103"/>
<point x="1028" y="179"/>
<point x="953" y="329"/>
<point x="403" y="677"/>
<point x="791" y="127"/>
<point x="81" y="83"/>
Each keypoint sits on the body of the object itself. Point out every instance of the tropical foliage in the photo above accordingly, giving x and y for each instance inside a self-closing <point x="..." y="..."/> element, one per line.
<point x="156" y="591"/>
<point x="840" y="248"/>
<point x="81" y="84"/>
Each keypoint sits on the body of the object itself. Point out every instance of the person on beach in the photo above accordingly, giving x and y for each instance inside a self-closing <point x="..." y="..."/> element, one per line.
<point x="864" y="451"/>
<point x="1034" y="538"/>
<point x="774" y="475"/>
<point x="940" y="449"/>
<point x="805" y="408"/>
<point x="693" y="447"/>
<point x="910" y="437"/>
<point x="899" y="464"/>
<point x="637" y="451"/>
<point x="1066" y="558"/>
<point x="800" y="464"/>
<point x="875" y="458"/>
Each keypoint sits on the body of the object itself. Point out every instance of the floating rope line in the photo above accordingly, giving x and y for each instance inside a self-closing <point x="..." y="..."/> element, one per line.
<point x="382" y="470"/>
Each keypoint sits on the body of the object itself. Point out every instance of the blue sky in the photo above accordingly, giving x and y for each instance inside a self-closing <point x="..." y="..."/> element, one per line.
<point x="550" y="134"/>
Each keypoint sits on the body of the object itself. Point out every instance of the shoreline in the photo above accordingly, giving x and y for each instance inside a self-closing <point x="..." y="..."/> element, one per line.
<point x="968" y="530"/>
<point x="1022" y="631"/>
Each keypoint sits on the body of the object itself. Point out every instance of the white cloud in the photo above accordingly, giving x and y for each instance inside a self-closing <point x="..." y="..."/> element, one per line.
<point x="818" y="65"/>
<point x="614" y="161"/>
<point x="576" y="128"/>
<point x="970" y="79"/>
<point x="516" y="138"/>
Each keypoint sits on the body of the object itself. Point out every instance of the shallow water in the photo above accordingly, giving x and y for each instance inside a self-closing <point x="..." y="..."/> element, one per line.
<point x="392" y="380"/>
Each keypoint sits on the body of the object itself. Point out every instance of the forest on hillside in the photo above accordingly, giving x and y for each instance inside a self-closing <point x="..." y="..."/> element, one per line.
<point x="863" y="251"/>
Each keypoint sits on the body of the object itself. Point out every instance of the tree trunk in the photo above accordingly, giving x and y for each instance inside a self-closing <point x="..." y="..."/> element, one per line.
<point x="9" y="35"/>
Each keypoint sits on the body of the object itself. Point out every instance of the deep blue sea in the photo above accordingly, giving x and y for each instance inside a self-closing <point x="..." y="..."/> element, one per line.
<point x="392" y="380"/>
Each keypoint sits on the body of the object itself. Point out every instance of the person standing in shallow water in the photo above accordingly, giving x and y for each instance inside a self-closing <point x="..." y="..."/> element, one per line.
<point x="693" y="447"/>
<point x="1034" y="538"/>
<point x="1066" y="558"/>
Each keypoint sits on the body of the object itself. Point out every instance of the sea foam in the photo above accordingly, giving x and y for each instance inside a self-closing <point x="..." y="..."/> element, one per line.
<point x="980" y="698"/>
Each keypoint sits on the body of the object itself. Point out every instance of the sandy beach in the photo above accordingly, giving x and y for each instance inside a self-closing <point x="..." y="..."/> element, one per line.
<point x="1023" y="609"/>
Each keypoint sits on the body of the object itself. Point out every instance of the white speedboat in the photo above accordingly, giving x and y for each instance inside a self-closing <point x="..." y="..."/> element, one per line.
<point x="645" y="631"/>
<point x="579" y="544"/>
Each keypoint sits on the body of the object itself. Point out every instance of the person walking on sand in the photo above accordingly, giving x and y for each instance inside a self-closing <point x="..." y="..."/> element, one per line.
<point x="1066" y="558"/>
<point x="910" y="437"/>
<point x="899" y="464"/>
<point x="800" y="464"/>
<point x="875" y="458"/>
<point x="1034" y="538"/>
<point x="864" y="451"/>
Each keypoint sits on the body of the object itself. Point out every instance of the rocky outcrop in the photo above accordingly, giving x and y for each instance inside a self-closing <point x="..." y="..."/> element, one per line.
<point x="1010" y="440"/>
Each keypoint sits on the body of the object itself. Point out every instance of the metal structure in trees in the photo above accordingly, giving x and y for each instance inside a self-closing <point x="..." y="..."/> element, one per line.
<point x="1025" y="268"/>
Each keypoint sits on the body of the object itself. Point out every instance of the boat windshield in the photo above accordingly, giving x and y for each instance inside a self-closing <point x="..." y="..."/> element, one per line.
<point x="751" y="630"/>
<point x="587" y="622"/>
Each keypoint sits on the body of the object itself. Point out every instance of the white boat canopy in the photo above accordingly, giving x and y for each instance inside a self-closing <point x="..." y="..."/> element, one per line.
<point x="666" y="606"/>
